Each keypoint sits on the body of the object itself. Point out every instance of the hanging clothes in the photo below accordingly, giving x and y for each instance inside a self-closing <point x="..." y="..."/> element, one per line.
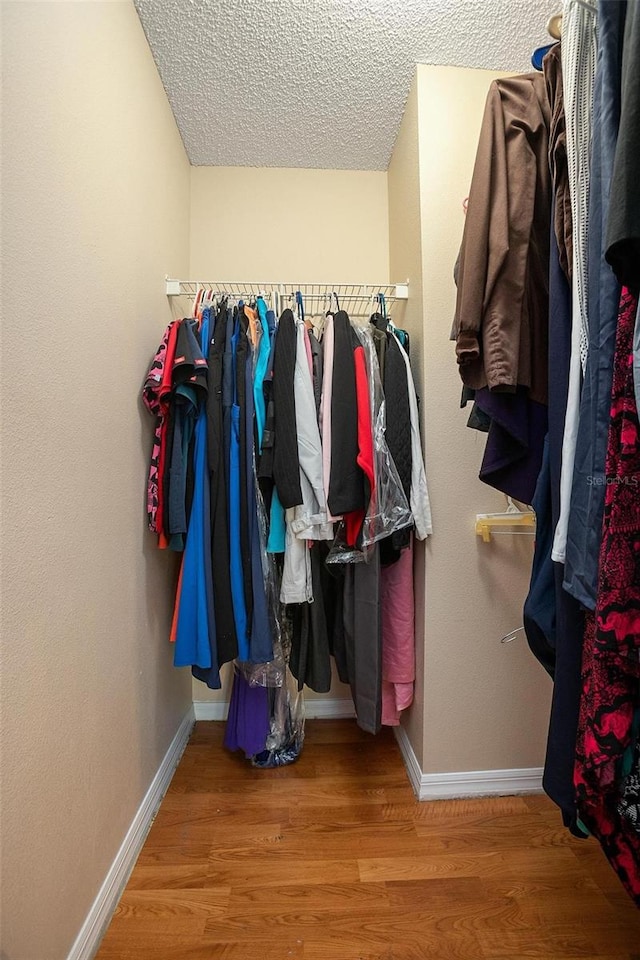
<point x="310" y="661"/>
<point x="155" y="397"/>
<point x="578" y="75"/>
<point x="398" y="432"/>
<point x="261" y="425"/>
<point x="196" y="643"/>
<point x="247" y="725"/>
<point x="235" y="433"/>
<point x="610" y="667"/>
<point x="501" y="319"/>
<point x="354" y="519"/>
<point x="629" y="806"/>
<point x="502" y="302"/>
<point x="275" y="510"/>
<point x="309" y="518"/>
<point x="582" y="613"/>
<point x="566" y="652"/>
<point x="623" y="231"/>
<point x="603" y="297"/>
<point x="418" y="493"/>
<point x="286" y="466"/>
<point x="539" y="613"/>
<point x="326" y="400"/>
<point x="262" y="361"/>
<point x="261" y="635"/>
<point x="558" y="162"/>
<point x="397" y="607"/>
<point x="317" y="367"/>
<point x="219" y="485"/>
<point x="346" y="480"/>
<point x="361" y="613"/>
<point x="239" y="410"/>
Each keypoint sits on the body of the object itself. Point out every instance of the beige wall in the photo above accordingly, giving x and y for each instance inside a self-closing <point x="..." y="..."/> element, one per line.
<point x="95" y="209"/>
<point x="485" y="705"/>
<point x="294" y="225"/>
<point x="303" y="226"/>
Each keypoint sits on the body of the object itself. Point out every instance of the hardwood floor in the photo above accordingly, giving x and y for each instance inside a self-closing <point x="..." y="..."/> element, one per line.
<point x="332" y="858"/>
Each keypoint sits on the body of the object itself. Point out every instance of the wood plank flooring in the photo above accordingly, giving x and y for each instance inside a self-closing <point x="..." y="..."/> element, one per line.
<point x="332" y="858"/>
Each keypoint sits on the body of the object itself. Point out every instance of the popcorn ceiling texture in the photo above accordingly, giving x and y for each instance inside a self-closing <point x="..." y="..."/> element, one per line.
<point x="319" y="83"/>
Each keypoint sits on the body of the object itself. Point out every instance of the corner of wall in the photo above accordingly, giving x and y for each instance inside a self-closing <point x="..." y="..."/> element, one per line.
<point x="406" y="261"/>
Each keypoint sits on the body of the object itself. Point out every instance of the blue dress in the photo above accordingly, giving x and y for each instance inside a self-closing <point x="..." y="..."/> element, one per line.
<point x="195" y="632"/>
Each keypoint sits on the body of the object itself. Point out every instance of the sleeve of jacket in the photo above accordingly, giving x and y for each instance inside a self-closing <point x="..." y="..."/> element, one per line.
<point x="486" y="231"/>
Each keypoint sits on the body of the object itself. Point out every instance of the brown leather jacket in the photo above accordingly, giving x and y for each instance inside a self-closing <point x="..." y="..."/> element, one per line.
<point x="502" y="309"/>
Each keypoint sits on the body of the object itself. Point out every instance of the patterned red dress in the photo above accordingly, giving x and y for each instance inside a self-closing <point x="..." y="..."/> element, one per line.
<point x="611" y="655"/>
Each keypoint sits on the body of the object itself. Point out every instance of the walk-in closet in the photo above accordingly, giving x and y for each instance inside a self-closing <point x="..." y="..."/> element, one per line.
<point x="320" y="458"/>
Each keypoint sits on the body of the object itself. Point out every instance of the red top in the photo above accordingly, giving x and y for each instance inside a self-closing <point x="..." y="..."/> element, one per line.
<point x="353" y="521"/>
<point x="163" y="395"/>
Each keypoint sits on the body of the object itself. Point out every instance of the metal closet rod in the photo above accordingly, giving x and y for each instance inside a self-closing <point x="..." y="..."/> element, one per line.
<point x="318" y="291"/>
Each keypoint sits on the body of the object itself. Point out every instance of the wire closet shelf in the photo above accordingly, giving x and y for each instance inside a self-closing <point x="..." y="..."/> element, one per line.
<point x="358" y="299"/>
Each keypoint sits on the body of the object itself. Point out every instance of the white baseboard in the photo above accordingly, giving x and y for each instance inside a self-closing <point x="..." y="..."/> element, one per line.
<point x="328" y="709"/>
<point x="472" y="783"/>
<point x="92" y="931"/>
<point x="313" y="709"/>
<point x="426" y="786"/>
<point x="211" y="709"/>
<point x="414" y="771"/>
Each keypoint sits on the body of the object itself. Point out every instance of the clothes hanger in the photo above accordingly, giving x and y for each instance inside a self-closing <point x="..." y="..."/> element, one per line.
<point x="205" y="304"/>
<point x="379" y="316"/>
<point x="332" y="307"/>
<point x="291" y="302"/>
<point x="538" y="56"/>
<point x="511" y="636"/>
<point x="554" y="26"/>
<point x="306" y="320"/>
<point x="196" y="301"/>
<point x="554" y="29"/>
<point x="524" y="522"/>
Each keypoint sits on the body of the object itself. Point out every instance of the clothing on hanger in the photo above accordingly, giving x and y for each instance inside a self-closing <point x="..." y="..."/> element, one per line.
<point x="260" y="425"/>
<point x="577" y="445"/>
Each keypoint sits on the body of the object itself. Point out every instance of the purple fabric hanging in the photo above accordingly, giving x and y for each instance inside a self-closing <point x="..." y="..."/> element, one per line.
<point x="248" y="721"/>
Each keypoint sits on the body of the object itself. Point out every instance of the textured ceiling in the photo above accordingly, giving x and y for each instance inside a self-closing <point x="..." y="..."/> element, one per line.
<point x="319" y="83"/>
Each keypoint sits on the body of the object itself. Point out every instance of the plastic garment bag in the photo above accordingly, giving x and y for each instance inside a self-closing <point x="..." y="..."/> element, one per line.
<point x="286" y="712"/>
<point x="285" y="737"/>
<point x="388" y="509"/>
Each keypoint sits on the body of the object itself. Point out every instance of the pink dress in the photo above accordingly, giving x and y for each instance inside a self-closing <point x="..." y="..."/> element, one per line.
<point x="398" y="640"/>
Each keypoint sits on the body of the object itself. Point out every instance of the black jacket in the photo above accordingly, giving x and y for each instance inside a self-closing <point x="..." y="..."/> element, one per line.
<point x="346" y="480"/>
<point x="286" y="466"/>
